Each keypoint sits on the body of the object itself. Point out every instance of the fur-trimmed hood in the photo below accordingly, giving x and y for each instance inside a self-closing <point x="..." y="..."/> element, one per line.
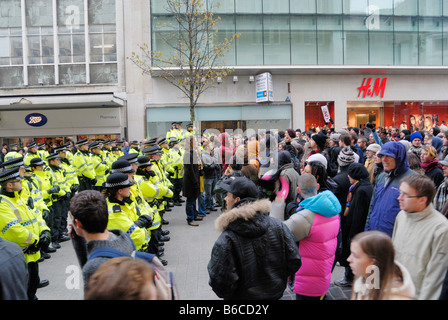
<point x="246" y="212"/>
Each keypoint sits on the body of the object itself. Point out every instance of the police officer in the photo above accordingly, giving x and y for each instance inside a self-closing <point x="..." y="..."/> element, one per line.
<point x="122" y="210"/>
<point x="57" y="177"/>
<point x="42" y="150"/>
<point x="31" y="153"/>
<point x="100" y="165"/>
<point x="134" y="147"/>
<point x="176" y="163"/>
<point x="84" y="166"/>
<point x="22" y="226"/>
<point x="13" y="152"/>
<point x="154" y="153"/>
<point x="72" y="178"/>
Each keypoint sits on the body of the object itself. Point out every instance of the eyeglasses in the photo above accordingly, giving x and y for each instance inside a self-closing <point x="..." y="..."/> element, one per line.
<point x="405" y="195"/>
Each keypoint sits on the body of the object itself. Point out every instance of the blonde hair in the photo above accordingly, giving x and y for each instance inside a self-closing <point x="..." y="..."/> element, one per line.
<point x="431" y="151"/>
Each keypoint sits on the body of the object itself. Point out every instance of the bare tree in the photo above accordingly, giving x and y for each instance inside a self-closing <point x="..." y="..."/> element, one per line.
<point x="193" y="59"/>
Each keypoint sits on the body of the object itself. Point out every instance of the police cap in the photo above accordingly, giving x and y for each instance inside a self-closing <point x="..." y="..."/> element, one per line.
<point x="123" y="166"/>
<point x="31" y="145"/>
<point x="60" y="149"/>
<point x="11" y="174"/>
<point x="144" y="161"/>
<point x="94" y="145"/>
<point x="117" y="180"/>
<point x="152" y="150"/>
<point x="53" y="156"/>
<point x="82" y="142"/>
<point x="13" y="163"/>
<point x="36" y="162"/>
<point x="130" y="157"/>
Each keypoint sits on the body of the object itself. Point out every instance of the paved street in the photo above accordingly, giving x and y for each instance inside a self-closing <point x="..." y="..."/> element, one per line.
<point x="187" y="253"/>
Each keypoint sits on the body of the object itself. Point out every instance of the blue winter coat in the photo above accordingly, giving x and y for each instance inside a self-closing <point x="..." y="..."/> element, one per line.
<point x="384" y="205"/>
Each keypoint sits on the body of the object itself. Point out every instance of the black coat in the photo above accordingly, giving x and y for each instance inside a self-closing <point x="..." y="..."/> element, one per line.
<point x="254" y="255"/>
<point x="191" y="180"/>
<point x="343" y="184"/>
<point x="355" y="220"/>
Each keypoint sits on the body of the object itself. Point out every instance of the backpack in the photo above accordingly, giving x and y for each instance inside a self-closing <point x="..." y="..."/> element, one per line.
<point x="163" y="279"/>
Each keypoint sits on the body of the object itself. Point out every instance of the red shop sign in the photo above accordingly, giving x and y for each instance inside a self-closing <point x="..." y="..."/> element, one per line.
<point x="366" y="88"/>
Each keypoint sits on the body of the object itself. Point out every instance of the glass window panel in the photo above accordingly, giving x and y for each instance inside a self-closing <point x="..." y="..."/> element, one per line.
<point x="303" y="40"/>
<point x="405" y="7"/>
<point x="39" y="13"/>
<point x="102" y="11"/>
<point x="329" y="40"/>
<point x="406" y="49"/>
<point x="276" y="40"/>
<point x="79" y="48"/>
<point x="303" y="6"/>
<point x="222" y="6"/>
<point x="65" y="48"/>
<point x="249" y="6"/>
<point x="10" y="13"/>
<point x="385" y="7"/>
<point x="110" y="49"/>
<point x="158" y="7"/>
<point x="5" y="48"/>
<point x="47" y="49"/>
<point x="356" y="48"/>
<point x="355" y="7"/>
<point x="34" y="46"/>
<point x="277" y="6"/>
<point x="430" y="41"/>
<point x="249" y="45"/>
<point x="72" y="74"/>
<point x="445" y="41"/>
<point x="430" y="8"/>
<point x="40" y="75"/>
<point x="381" y="48"/>
<point x="226" y="29"/>
<point x="329" y="6"/>
<point x="11" y="77"/>
<point x="17" y="48"/>
<point x="70" y="15"/>
<point x="103" y="73"/>
<point x="96" y="48"/>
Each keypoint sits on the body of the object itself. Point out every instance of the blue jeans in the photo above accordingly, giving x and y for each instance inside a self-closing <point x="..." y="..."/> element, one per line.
<point x="209" y="186"/>
<point x="201" y="205"/>
<point x="190" y="209"/>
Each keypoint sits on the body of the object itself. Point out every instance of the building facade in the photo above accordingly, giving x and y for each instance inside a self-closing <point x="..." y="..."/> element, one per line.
<point x="66" y="63"/>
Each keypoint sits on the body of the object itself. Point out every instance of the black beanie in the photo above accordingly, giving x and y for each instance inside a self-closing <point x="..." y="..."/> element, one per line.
<point x="357" y="171"/>
<point x="320" y="140"/>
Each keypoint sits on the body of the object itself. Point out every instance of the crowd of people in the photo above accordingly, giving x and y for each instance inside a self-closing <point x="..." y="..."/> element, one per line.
<point x="293" y="205"/>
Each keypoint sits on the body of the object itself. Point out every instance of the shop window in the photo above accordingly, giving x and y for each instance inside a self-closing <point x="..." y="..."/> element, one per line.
<point x="314" y="116"/>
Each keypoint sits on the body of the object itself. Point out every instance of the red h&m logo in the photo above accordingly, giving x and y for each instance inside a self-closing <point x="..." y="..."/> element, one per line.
<point x="378" y="88"/>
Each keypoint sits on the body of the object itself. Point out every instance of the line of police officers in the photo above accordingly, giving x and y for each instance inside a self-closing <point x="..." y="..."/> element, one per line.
<point x="36" y="190"/>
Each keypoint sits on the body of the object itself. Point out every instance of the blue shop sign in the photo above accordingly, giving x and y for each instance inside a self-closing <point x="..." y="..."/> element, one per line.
<point x="36" y="119"/>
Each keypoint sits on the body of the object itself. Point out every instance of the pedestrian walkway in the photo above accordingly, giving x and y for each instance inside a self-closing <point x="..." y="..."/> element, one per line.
<point x="187" y="253"/>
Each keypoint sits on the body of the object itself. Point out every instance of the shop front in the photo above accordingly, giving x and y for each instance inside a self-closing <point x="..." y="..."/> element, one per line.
<point x="57" y="120"/>
<point x="244" y="118"/>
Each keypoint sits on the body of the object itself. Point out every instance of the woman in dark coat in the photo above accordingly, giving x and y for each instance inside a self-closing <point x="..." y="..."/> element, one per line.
<point x="355" y="214"/>
<point x="191" y="186"/>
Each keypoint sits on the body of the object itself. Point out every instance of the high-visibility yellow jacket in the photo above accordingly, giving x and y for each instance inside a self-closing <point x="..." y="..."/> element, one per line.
<point x="12" y="155"/>
<point x="44" y="184"/>
<point x="150" y="190"/>
<point x="29" y="156"/>
<point x="176" y="162"/>
<point x="83" y="165"/>
<point x="70" y="173"/>
<point x="101" y="167"/>
<point x="57" y="178"/>
<point x="122" y="215"/>
<point x="19" y="224"/>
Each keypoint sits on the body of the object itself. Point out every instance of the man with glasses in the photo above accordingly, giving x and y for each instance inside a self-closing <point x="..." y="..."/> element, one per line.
<point x="420" y="236"/>
<point x="384" y="205"/>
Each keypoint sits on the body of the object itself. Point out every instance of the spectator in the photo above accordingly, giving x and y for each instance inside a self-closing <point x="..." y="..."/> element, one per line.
<point x="370" y="164"/>
<point x="122" y="278"/>
<point x="255" y="254"/>
<point x="333" y="153"/>
<point x="345" y="158"/>
<point x="384" y="205"/>
<point x="372" y="254"/>
<point x="416" y="143"/>
<point x="316" y="226"/>
<point x="420" y="237"/>
<point x="354" y="216"/>
<point x="431" y="165"/>
<point x="210" y="174"/>
<point x="13" y="272"/>
<point x="440" y="199"/>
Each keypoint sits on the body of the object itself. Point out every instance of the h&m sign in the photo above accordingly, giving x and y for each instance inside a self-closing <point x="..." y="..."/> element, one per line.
<point x="367" y="90"/>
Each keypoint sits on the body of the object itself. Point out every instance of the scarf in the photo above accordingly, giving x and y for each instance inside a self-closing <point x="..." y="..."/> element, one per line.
<point x="349" y="197"/>
<point x="429" y="166"/>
